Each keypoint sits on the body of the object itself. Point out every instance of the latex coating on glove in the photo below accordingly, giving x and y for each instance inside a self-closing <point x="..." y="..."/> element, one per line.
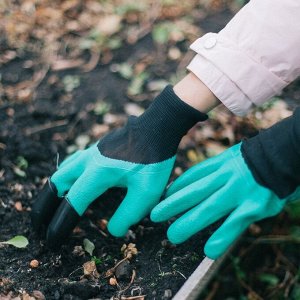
<point x="218" y="187"/>
<point x="88" y="174"/>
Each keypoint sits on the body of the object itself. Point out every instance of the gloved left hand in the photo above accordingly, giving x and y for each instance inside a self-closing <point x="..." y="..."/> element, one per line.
<point x="138" y="156"/>
<point x="218" y="187"/>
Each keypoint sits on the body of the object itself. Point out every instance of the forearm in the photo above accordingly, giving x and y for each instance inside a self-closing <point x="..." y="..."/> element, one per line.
<point x="254" y="57"/>
<point x="194" y="92"/>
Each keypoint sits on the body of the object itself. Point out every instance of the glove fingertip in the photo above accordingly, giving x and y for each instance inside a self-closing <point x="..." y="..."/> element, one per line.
<point x="116" y="229"/>
<point x="175" y="237"/>
<point x="156" y="215"/>
<point x="213" y="249"/>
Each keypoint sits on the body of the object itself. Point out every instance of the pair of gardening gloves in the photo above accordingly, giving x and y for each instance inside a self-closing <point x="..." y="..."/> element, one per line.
<point x="140" y="157"/>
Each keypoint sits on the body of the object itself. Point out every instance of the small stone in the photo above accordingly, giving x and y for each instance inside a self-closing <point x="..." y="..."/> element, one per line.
<point x="38" y="295"/>
<point x="167" y="294"/>
<point x="98" y="130"/>
<point x="174" y="53"/>
<point x="167" y="244"/>
<point x="77" y="230"/>
<point x="26" y="296"/>
<point x="10" y="112"/>
<point x="254" y="229"/>
<point x="82" y="141"/>
<point x="178" y="171"/>
<point x="112" y="281"/>
<point x="123" y="270"/>
<point x="102" y="223"/>
<point x="24" y="95"/>
<point x="18" y="206"/>
<point x="90" y="269"/>
<point x="56" y="295"/>
<point x="78" y="251"/>
<point x="133" y="109"/>
<point x="34" y="264"/>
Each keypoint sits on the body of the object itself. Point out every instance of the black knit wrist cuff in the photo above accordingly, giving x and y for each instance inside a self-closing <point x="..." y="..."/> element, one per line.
<point x="170" y="114"/>
<point x="156" y="134"/>
<point x="273" y="156"/>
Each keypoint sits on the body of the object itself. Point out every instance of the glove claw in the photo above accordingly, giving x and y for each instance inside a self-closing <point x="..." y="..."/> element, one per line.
<point x="44" y="207"/>
<point x="62" y="224"/>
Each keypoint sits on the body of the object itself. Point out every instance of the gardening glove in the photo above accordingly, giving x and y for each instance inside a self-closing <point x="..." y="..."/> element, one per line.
<point x="139" y="157"/>
<point x="220" y="186"/>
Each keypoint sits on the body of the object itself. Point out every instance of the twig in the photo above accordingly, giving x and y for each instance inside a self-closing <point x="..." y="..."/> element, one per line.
<point x="92" y="63"/>
<point x="130" y="283"/>
<point x="141" y="297"/>
<point x="277" y="239"/>
<point x="250" y="290"/>
<point x="111" y="271"/>
<point x="47" y="126"/>
<point x="75" y="271"/>
<point x="181" y="274"/>
<point x="213" y="291"/>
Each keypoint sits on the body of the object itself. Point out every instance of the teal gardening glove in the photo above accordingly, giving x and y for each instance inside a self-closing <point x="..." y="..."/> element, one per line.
<point x="220" y="186"/>
<point x="139" y="157"/>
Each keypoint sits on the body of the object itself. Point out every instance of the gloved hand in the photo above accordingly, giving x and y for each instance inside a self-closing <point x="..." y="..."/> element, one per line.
<point x="220" y="186"/>
<point x="139" y="157"/>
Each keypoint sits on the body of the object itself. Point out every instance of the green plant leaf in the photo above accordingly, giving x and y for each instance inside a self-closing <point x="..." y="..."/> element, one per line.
<point x="88" y="246"/>
<point x="296" y="292"/>
<point x="293" y="209"/>
<point x="269" y="279"/>
<point x="18" y="241"/>
<point x="98" y="261"/>
<point x="160" y="33"/>
<point x="295" y="232"/>
<point x="136" y="85"/>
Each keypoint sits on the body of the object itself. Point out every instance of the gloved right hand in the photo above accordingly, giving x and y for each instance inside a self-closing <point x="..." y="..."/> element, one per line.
<point x="139" y="157"/>
<point x="222" y="186"/>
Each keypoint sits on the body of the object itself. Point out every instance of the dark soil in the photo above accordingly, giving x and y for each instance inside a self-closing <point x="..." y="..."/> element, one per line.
<point x="30" y="131"/>
<point x="39" y="129"/>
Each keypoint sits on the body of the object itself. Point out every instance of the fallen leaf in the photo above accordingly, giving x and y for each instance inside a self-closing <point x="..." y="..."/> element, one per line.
<point x="90" y="270"/>
<point x="89" y="246"/>
<point x="19" y="241"/>
<point x="109" y="24"/>
<point x="129" y="250"/>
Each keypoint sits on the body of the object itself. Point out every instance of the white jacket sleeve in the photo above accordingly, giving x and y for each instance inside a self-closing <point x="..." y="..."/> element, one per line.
<point x="254" y="57"/>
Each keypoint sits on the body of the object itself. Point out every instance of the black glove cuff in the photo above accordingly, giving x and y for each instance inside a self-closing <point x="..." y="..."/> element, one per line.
<point x="169" y="114"/>
<point x="156" y="134"/>
<point x="273" y="156"/>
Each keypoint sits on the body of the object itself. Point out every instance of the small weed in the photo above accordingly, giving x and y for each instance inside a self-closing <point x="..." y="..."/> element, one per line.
<point x="97" y="260"/>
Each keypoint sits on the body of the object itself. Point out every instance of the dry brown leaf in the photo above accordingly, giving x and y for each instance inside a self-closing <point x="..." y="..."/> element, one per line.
<point x="26" y="296"/>
<point x="129" y="250"/>
<point x="38" y="295"/>
<point x="277" y="112"/>
<point x="65" y="64"/>
<point x="108" y="25"/>
<point x="90" y="270"/>
<point x="141" y="297"/>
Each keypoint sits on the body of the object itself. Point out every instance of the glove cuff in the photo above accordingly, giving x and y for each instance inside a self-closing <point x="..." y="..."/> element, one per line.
<point x="273" y="156"/>
<point x="155" y="135"/>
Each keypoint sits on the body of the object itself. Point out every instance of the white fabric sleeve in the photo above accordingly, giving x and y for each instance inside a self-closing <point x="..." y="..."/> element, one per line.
<point x="254" y="57"/>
